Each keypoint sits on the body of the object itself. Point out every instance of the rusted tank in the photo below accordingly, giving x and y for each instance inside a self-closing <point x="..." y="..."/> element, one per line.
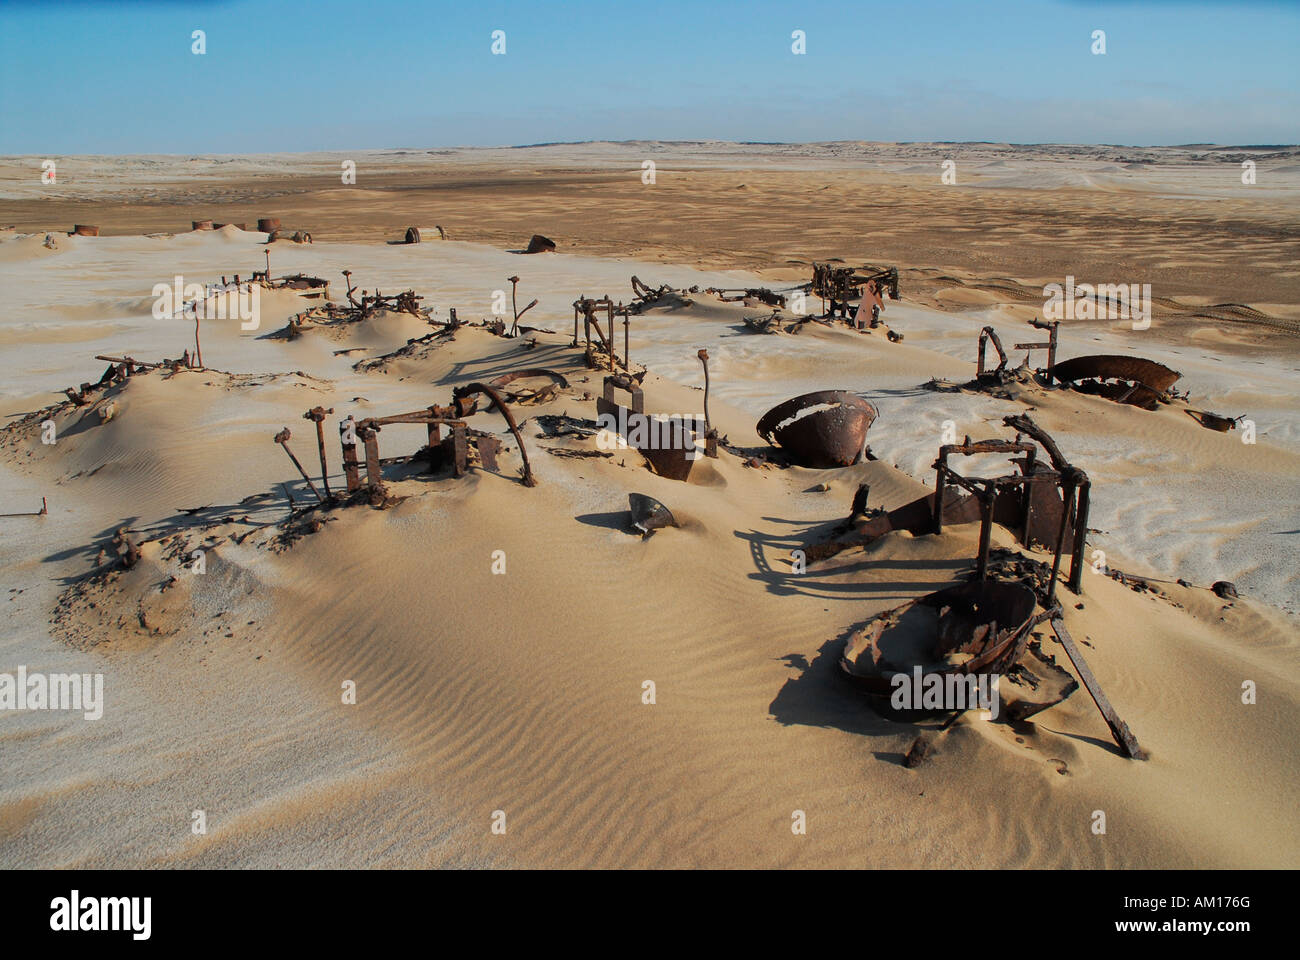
<point x="981" y="627"/>
<point x="821" y="430"/>
<point x="1132" y="380"/>
<point x="268" y="224"/>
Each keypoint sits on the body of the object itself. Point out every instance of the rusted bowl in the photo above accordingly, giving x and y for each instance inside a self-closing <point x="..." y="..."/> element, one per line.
<point x="973" y="628"/>
<point x="821" y="430"/>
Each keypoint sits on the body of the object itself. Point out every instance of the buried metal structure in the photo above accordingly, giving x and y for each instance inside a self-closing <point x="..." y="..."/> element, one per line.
<point x="587" y="309"/>
<point x="667" y="443"/>
<point x="839" y="285"/>
<point x="452" y="449"/>
<point x="1132" y="380"/>
<point x="1040" y="504"/>
<point x="822" y="430"/>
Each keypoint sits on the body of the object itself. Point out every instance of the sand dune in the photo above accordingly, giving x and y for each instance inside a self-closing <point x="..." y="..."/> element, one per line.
<point x="522" y="691"/>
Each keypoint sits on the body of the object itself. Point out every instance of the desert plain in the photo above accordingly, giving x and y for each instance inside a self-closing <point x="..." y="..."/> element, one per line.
<point x="499" y="637"/>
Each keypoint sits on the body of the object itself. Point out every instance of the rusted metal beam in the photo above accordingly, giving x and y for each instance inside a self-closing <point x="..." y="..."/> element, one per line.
<point x="282" y="438"/>
<point x="317" y="416"/>
<point x="1118" y="728"/>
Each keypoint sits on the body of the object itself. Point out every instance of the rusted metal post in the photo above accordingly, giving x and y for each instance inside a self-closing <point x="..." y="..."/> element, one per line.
<point x="627" y="352"/>
<point x="940" y="488"/>
<point x="1067" y="508"/>
<point x="282" y="438"/>
<point x="609" y="311"/>
<point x="317" y="415"/>
<point x="1028" y="490"/>
<point x="986" y="495"/>
<point x="1080" y="537"/>
<point x="460" y="448"/>
<point x="370" y="437"/>
<point x="348" y="439"/>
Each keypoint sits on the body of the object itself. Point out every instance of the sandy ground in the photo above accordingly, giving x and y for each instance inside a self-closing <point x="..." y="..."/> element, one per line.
<point x="522" y="692"/>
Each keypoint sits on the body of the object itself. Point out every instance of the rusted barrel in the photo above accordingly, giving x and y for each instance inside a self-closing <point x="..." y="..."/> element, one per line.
<point x="412" y="234"/>
<point x="200" y="224"/>
<point x="84" y="230"/>
<point x="268" y="224"/>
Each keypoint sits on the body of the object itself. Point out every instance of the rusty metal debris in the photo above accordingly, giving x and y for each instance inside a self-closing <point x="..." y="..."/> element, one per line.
<point x="1131" y="380"/>
<point x="126" y="548"/>
<point x="977" y="627"/>
<point x="1212" y="421"/>
<point x="201" y="225"/>
<point x="540" y="244"/>
<point x="356" y="310"/>
<point x="412" y="235"/>
<point x="282" y="438"/>
<point x="648" y="514"/>
<point x="837" y="286"/>
<point x="750" y="296"/>
<point x="514" y="305"/>
<point x="821" y="430"/>
<point x="1040" y="504"/>
<point x="530" y="395"/>
<point x="317" y="416"/>
<point x="268" y="224"/>
<point x="667" y="443"/>
<point x="84" y="230"/>
<point x="587" y="310"/>
<point x="122" y="368"/>
<point x="440" y="451"/>
<point x="710" y="435"/>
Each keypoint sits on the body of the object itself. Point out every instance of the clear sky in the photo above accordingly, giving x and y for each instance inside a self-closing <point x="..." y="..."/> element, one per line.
<point x="284" y="75"/>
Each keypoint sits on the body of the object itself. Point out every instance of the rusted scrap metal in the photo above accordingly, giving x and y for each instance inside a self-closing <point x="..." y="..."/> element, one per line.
<point x="201" y="225"/>
<point x="1118" y="728"/>
<point x="1050" y="346"/>
<point x="1039" y="505"/>
<point x="356" y="310"/>
<point x="667" y="443"/>
<point x="839" y="285"/>
<point x="282" y="438"/>
<point x="268" y="224"/>
<point x="749" y="295"/>
<point x="468" y="392"/>
<point x="84" y="230"/>
<point x="412" y="235"/>
<point x="821" y="430"/>
<point x="644" y="293"/>
<point x="980" y="627"/>
<point x="587" y="309"/>
<point x="540" y="244"/>
<point x="526" y="394"/>
<point x="648" y="514"/>
<point x="1131" y="380"/>
<point x="120" y="369"/>
<point x="31" y="513"/>
<point x="987" y="334"/>
<point x="1212" y="421"/>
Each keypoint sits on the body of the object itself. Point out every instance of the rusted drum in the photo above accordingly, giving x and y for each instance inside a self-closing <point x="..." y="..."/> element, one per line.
<point x="268" y="224"/>
<point x="821" y="430"/>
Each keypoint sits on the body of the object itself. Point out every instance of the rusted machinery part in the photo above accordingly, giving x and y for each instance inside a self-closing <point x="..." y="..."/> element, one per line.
<point x="506" y="378"/>
<point x="1139" y="370"/>
<point x="412" y="234"/>
<point x="648" y="514"/>
<point x="988" y="333"/>
<point x="473" y="388"/>
<point x="1212" y="421"/>
<point x="268" y="224"/>
<point x="540" y="244"/>
<point x="821" y="430"/>
<point x="1025" y="424"/>
<point x="989" y="619"/>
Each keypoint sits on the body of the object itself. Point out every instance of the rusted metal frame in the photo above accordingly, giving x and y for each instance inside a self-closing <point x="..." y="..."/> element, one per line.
<point x="1118" y="728"/>
<point x="988" y="333"/>
<point x="30" y="513"/>
<point x="986" y="497"/>
<point x="470" y="389"/>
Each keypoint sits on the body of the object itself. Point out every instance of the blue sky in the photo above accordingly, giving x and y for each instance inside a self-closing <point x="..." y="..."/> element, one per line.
<point x="278" y="75"/>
